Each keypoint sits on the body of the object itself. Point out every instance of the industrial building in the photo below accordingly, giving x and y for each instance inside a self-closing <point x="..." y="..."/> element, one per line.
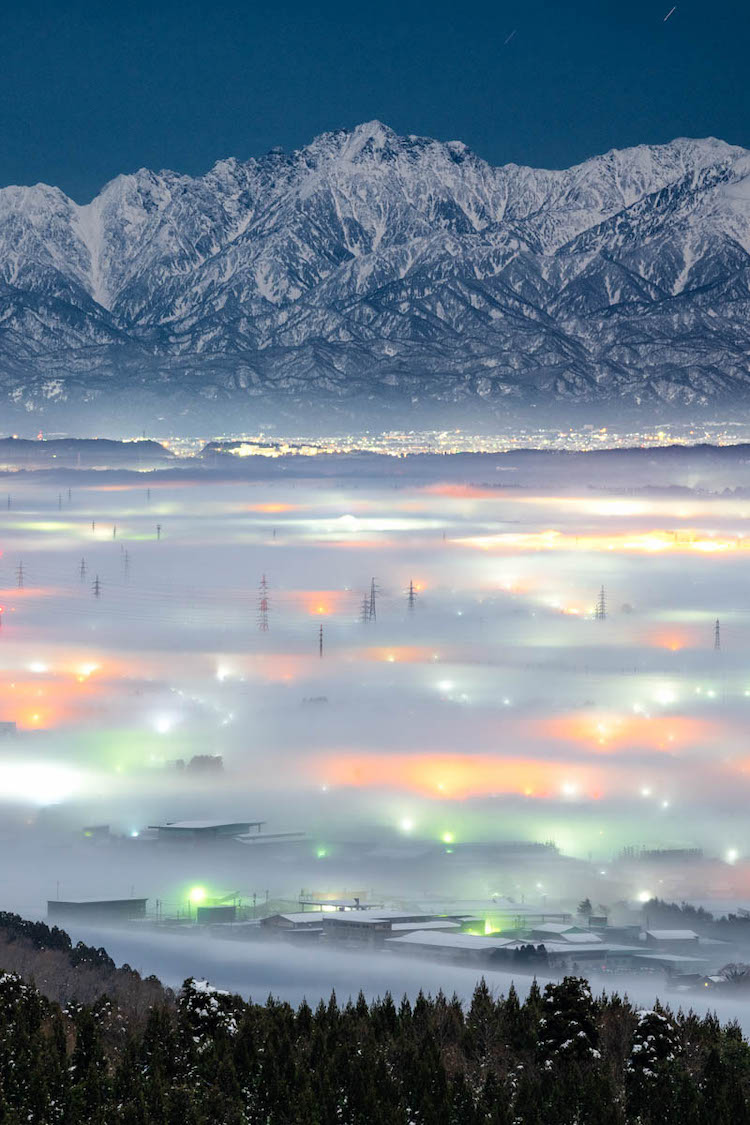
<point x="204" y="831"/>
<point x="99" y="910"/>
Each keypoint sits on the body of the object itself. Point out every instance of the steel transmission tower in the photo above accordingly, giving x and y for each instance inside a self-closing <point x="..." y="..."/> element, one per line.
<point x="717" y="636"/>
<point x="364" y="613"/>
<point x="600" y="613"/>
<point x="97" y="587"/>
<point x="411" y="596"/>
<point x="263" y="603"/>
<point x="19" y="575"/>
<point x="320" y="641"/>
<point x="372" y="611"/>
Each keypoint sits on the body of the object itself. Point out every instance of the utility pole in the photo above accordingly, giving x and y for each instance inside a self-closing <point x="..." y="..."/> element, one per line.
<point x="717" y="636"/>
<point x="263" y="603"/>
<point x="19" y="575"/>
<point x="320" y="640"/>
<point x="411" y="597"/>
<point x="600" y="613"/>
<point x="97" y="587"/>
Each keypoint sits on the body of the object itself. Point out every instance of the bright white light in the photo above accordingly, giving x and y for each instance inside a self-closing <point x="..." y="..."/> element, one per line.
<point x="645" y="896"/>
<point x="645" y="792"/>
<point x="665" y="696"/>
<point x="38" y="783"/>
<point x="134" y="834"/>
<point x="569" y="789"/>
<point x="445" y="685"/>
<point x="732" y="855"/>
<point x="407" y="824"/>
<point x="539" y="886"/>
<point x="38" y="667"/>
<point x="506" y="703"/>
<point x="665" y="804"/>
<point x="163" y="724"/>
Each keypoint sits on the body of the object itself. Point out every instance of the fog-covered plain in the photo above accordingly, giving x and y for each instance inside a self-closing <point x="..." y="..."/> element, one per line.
<point x="494" y="708"/>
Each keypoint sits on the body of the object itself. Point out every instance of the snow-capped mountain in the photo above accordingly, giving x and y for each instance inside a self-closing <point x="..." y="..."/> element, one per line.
<point x="369" y="264"/>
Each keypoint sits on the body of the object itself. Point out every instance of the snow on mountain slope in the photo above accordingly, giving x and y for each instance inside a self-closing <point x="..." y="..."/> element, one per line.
<point x="373" y="264"/>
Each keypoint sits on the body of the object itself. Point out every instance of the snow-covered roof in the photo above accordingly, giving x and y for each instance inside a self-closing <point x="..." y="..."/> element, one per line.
<point x="350" y="918"/>
<point x="670" y="958"/>
<point x="568" y="947"/>
<point x="302" y="917"/>
<point x="672" y="935"/>
<point x="408" y="915"/>
<point x="555" y="928"/>
<point x="444" y="924"/>
<point x="451" y="941"/>
<point x="198" y="825"/>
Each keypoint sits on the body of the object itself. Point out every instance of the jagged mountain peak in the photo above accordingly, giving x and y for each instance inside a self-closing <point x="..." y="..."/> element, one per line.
<point x="372" y="263"/>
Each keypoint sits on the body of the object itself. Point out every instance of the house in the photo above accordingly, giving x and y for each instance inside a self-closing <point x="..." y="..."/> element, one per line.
<point x="466" y="948"/>
<point x="674" y="940"/>
<point x="355" y="928"/>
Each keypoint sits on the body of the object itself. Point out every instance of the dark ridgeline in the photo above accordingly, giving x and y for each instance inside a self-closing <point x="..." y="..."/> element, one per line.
<point x="112" y="1048"/>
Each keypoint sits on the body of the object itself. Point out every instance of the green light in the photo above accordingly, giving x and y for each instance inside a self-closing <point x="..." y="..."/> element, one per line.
<point x="448" y="837"/>
<point x="197" y="894"/>
<point x="321" y="853"/>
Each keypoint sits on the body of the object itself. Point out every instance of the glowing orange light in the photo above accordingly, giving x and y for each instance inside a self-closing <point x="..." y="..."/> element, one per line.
<point x="271" y="509"/>
<point x="456" y="778"/>
<point x="612" y="731"/>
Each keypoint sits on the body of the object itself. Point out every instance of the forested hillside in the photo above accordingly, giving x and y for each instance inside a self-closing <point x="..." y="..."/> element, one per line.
<point x="206" y="1057"/>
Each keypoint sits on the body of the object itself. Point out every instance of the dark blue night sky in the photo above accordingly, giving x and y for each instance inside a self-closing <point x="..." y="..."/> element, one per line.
<point x="88" y="90"/>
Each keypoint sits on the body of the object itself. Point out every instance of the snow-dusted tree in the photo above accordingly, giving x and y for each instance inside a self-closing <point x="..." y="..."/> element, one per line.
<point x="567" y="1029"/>
<point x="654" y="1049"/>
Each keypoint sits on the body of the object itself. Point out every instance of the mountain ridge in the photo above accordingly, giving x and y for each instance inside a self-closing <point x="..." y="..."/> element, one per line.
<point x="369" y="266"/>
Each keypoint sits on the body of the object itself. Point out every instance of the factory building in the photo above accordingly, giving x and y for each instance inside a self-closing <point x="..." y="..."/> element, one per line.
<point x="99" y="910"/>
<point x="204" y="831"/>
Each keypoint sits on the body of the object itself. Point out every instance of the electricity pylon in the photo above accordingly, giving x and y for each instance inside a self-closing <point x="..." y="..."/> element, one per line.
<point x="600" y="613"/>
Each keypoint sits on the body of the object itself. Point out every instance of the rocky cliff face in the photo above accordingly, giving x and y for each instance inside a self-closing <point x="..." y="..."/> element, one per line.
<point x="369" y="264"/>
